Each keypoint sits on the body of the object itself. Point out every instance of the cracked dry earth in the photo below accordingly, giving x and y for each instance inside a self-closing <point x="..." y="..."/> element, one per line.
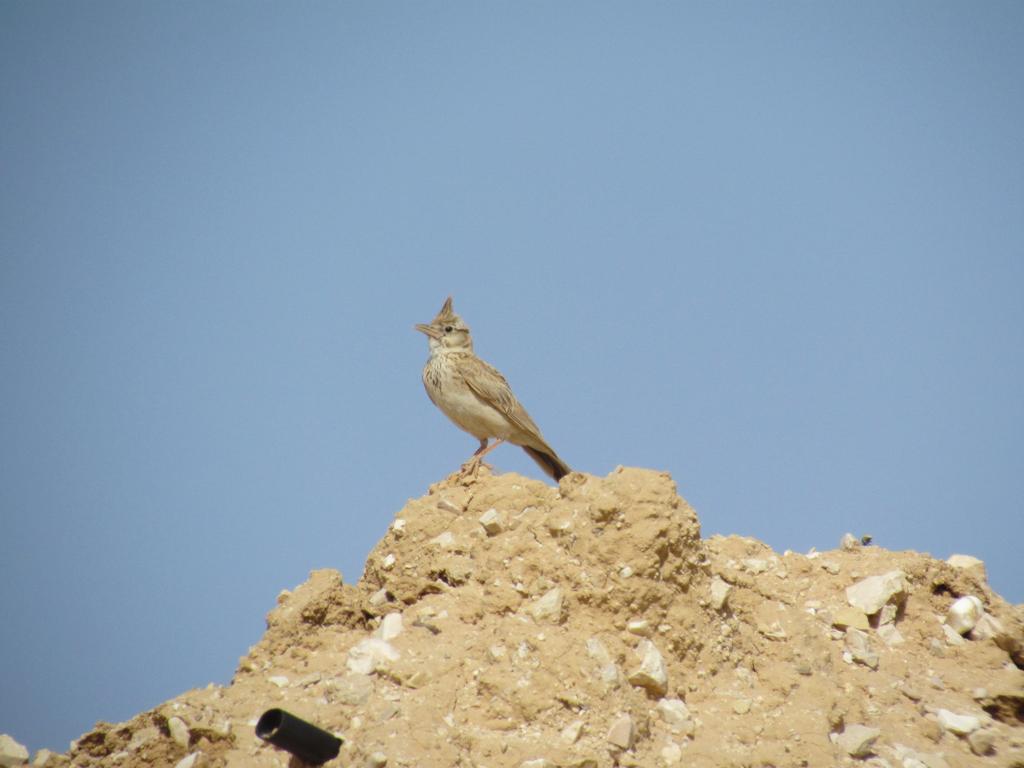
<point x="505" y="622"/>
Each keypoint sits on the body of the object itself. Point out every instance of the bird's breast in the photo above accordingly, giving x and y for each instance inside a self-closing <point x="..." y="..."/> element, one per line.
<point x="449" y="392"/>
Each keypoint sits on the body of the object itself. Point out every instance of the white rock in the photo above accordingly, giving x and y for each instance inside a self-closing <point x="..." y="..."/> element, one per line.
<point x="444" y="540"/>
<point x="676" y="715"/>
<point x="849" y="542"/>
<point x="719" y="593"/>
<point x="964" y="613"/>
<point x="190" y="761"/>
<point x="888" y="614"/>
<point x="859" y="646"/>
<point x="671" y="754"/>
<point x="857" y="740"/>
<point x="538" y="762"/>
<point x="390" y="627"/>
<point x="889" y="634"/>
<point x="376" y="760"/>
<point x="449" y="506"/>
<point x="988" y="626"/>
<point x="42" y="758"/>
<point x="597" y="651"/>
<point x="11" y="752"/>
<point x="378" y="598"/>
<point x="572" y="732"/>
<point x="370" y="655"/>
<point x="279" y="680"/>
<point x="492" y="521"/>
<point x="952" y="636"/>
<point x="910" y="758"/>
<point x="609" y="670"/>
<point x="179" y="731"/>
<point x="961" y="725"/>
<point x="967" y="563"/>
<point x="548" y="607"/>
<point x="872" y="593"/>
<point x="639" y="627"/>
<point x="620" y="734"/>
<point x="611" y="675"/>
<point x="652" y="674"/>
<point x="755" y="565"/>
<point x="388" y="562"/>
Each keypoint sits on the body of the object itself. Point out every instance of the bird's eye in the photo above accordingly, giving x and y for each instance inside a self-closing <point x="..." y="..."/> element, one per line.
<point x="448" y="329"/>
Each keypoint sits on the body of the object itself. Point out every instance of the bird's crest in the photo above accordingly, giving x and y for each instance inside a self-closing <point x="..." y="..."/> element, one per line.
<point x="447" y="314"/>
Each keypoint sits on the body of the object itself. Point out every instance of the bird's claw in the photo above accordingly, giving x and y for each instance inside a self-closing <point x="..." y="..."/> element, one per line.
<point x="471" y="468"/>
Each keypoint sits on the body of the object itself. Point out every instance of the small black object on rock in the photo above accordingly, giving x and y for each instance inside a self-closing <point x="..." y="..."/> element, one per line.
<point x="304" y="740"/>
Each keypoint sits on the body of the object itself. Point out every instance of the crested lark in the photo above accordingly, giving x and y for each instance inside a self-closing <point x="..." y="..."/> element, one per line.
<point x="476" y="397"/>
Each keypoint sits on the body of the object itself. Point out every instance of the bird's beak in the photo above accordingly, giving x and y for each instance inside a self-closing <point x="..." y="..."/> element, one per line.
<point x="431" y="331"/>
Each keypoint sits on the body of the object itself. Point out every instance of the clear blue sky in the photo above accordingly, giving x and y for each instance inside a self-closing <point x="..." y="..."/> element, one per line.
<point x="776" y="249"/>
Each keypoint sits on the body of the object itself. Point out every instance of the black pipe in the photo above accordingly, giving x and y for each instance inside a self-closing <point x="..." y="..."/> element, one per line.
<point x="304" y="740"/>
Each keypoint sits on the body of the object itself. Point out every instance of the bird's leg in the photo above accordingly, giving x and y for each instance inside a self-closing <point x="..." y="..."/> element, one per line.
<point x="484" y="448"/>
<point x="471" y="466"/>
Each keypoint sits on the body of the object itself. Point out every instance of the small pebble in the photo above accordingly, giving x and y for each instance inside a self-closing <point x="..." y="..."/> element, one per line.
<point x="719" y="592"/>
<point x="639" y="627"/>
<point x="191" y="761"/>
<point x="620" y="734"/>
<point x="179" y="731"/>
<point x="493" y="522"/>
<point x="449" y="506"/>
<point x="857" y="740"/>
<point x="572" y="732"/>
<point x="982" y="742"/>
<point x="959" y="724"/>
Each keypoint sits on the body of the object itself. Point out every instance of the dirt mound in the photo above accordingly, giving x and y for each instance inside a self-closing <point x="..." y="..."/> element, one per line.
<point x="505" y="622"/>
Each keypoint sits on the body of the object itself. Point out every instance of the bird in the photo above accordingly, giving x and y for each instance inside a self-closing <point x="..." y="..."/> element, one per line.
<point x="477" y="398"/>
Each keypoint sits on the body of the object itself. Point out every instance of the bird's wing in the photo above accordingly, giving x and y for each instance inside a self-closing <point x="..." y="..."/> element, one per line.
<point x="491" y="387"/>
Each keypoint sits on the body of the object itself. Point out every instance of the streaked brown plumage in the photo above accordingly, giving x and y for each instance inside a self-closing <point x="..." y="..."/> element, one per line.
<point x="476" y="397"/>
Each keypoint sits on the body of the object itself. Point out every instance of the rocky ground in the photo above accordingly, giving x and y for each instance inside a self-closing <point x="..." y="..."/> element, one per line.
<point x="505" y="622"/>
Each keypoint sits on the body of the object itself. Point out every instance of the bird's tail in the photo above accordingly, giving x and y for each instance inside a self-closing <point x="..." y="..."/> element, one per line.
<point x="549" y="462"/>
